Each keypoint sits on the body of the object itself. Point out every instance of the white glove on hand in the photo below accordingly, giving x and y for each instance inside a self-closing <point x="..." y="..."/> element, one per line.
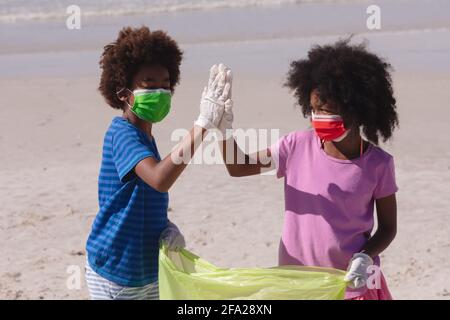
<point x="213" y="99"/>
<point x="226" y="124"/>
<point x="172" y="237"/>
<point x="357" y="270"/>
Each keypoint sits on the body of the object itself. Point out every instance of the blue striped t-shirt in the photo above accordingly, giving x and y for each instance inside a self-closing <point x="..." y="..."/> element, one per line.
<point x="124" y="241"/>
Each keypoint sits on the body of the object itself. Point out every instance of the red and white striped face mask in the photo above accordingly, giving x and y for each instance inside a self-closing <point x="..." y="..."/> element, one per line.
<point x="329" y="127"/>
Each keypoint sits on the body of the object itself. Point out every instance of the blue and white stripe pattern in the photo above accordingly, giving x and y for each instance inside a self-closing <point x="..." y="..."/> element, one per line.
<point x="103" y="289"/>
<point x="123" y="245"/>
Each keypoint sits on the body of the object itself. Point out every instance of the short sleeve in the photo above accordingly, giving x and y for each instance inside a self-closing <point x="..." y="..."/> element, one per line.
<point x="128" y="149"/>
<point x="279" y="153"/>
<point x="386" y="184"/>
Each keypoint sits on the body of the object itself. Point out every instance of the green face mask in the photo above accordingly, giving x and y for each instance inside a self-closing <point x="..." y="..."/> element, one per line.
<point x="151" y="105"/>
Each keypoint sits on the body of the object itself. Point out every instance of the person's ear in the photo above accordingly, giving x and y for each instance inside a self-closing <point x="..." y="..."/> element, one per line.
<point x="123" y="94"/>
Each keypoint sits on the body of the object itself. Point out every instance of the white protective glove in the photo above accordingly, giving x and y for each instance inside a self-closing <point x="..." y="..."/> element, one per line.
<point x="226" y="124"/>
<point x="213" y="99"/>
<point x="357" y="270"/>
<point x="172" y="237"/>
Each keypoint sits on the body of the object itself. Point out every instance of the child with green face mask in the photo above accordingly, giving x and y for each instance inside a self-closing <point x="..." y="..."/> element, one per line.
<point x="122" y="248"/>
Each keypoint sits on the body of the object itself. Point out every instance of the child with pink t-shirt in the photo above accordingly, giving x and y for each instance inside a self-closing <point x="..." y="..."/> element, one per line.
<point x="333" y="177"/>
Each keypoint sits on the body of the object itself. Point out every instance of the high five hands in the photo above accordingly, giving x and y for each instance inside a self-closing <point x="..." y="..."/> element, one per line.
<point x="216" y="104"/>
<point x="216" y="112"/>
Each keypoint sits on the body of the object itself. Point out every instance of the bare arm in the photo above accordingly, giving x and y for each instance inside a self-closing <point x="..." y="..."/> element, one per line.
<point x="387" y="226"/>
<point x="240" y="164"/>
<point x="162" y="175"/>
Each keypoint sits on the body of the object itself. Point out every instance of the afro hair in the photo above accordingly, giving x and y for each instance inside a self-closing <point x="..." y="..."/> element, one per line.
<point x="134" y="48"/>
<point x="359" y="82"/>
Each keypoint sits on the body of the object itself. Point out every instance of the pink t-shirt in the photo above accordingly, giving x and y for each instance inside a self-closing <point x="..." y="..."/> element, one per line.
<point x="328" y="202"/>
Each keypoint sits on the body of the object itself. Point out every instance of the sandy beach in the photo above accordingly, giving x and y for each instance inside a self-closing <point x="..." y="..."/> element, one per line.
<point x="53" y="122"/>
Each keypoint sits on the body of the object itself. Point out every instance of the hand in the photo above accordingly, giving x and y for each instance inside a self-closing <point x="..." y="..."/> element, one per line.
<point x="172" y="237"/>
<point x="357" y="270"/>
<point x="226" y="124"/>
<point x="213" y="99"/>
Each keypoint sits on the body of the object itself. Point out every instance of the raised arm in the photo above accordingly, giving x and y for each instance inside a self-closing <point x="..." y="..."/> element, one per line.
<point x="162" y="175"/>
<point x="238" y="163"/>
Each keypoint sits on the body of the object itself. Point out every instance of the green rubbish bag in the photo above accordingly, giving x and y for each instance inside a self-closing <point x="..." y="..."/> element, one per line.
<point x="185" y="276"/>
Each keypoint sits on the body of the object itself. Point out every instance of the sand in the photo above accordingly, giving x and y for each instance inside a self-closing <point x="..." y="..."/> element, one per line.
<point x="52" y="127"/>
